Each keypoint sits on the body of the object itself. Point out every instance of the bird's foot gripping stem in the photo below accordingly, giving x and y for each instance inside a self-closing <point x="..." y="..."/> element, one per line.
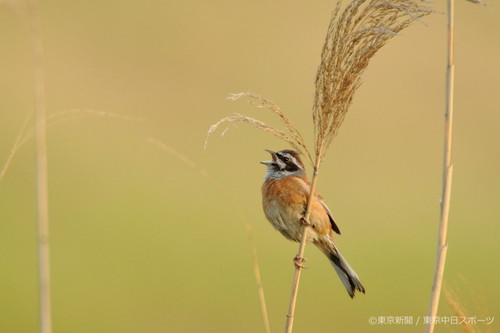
<point x="305" y="222"/>
<point x="297" y="261"/>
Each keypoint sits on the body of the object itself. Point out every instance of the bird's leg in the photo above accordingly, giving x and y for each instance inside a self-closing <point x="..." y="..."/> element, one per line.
<point x="297" y="261"/>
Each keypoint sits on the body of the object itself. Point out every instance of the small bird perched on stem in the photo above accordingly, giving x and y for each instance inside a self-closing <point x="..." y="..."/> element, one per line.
<point x="285" y="193"/>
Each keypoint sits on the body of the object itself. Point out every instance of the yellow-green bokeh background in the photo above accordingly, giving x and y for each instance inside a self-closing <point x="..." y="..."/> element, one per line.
<point x="141" y="242"/>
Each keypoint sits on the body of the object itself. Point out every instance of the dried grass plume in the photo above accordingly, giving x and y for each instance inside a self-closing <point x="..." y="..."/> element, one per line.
<point x="353" y="38"/>
<point x="292" y="136"/>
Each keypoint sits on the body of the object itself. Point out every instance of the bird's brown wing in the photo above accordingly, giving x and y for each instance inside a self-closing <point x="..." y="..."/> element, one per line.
<point x="307" y="187"/>
<point x="330" y="216"/>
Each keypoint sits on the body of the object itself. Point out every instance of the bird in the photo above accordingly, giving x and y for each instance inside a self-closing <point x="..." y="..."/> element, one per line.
<point x="285" y="193"/>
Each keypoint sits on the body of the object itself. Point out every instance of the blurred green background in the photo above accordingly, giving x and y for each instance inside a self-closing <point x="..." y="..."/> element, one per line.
<point x="143" y="242"/>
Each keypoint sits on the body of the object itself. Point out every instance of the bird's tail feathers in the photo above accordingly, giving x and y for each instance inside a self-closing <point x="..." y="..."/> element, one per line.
<point x="347" y="275"/>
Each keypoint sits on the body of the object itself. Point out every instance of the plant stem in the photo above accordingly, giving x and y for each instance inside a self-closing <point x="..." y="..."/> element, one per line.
<point x="41" y="170"/>
<point x="447" y="177"/>
<point x="300" y="254"/>
<point x="258" y="279"/>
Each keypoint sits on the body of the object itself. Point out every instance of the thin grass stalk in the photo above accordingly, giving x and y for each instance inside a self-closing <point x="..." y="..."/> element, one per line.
<point x="15" y="147"/>
<point x="458" y="309"/>
<point x="442" y="247"/>
<point x="302" y="246"/>
<point x="258" y="279"/>
<point x="41" y="170"/>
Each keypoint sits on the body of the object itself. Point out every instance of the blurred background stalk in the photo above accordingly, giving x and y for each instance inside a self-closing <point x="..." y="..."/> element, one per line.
<point x="442" y="247"/>
<point x="41" y="169"/>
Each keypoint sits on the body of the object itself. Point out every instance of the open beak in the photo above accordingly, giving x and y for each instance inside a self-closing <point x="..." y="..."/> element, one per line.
<point x="273" y="154"/>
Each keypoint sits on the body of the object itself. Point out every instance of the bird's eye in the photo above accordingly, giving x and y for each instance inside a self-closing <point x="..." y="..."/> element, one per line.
<point x="286" y="159"/>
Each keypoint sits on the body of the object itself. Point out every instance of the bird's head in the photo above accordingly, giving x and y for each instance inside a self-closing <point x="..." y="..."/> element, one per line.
<point x="284" y="163"/>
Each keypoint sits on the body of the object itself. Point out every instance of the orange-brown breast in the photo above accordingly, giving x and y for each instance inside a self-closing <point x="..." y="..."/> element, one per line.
<point x="284" y="202"/>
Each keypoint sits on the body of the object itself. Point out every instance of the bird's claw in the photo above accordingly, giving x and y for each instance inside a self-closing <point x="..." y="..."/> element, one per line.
<point x="297" y="261"/>
<point x="304" y="221"/>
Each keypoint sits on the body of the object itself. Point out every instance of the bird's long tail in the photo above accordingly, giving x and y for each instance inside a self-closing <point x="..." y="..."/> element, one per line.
<point x="347" y="275"/>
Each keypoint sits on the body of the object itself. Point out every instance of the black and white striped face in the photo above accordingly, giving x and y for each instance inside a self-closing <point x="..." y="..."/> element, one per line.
<point x="285" y="163"/>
